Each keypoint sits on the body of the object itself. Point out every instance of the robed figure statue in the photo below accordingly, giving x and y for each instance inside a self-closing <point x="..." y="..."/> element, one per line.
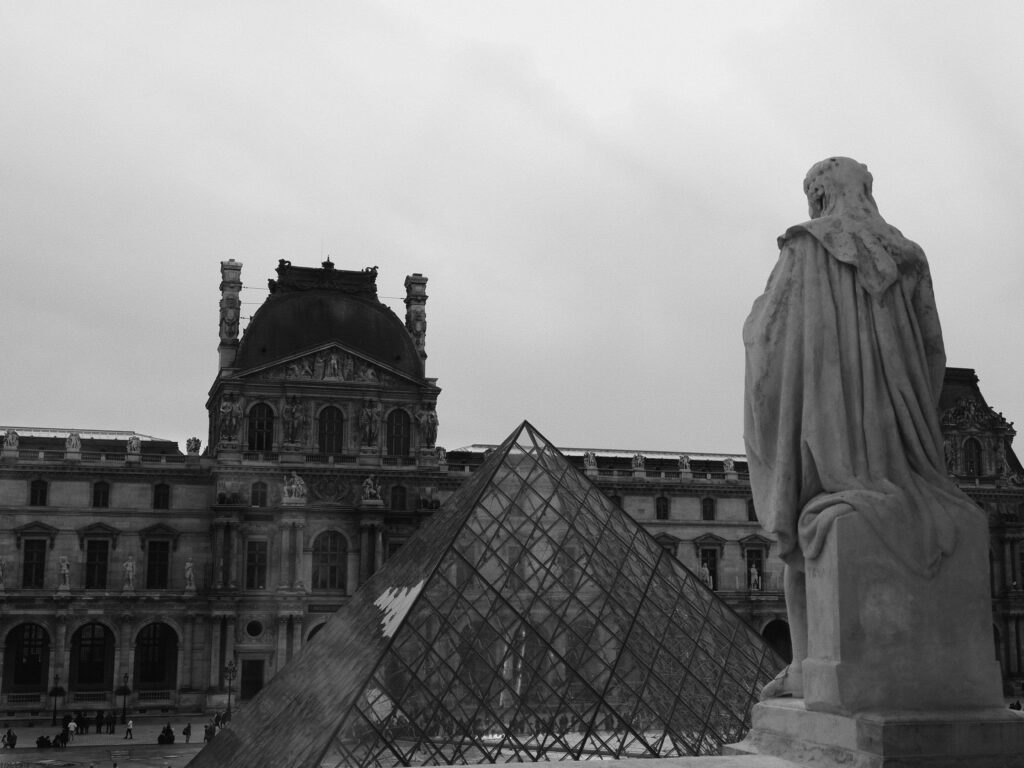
<point x="844" y="368"/>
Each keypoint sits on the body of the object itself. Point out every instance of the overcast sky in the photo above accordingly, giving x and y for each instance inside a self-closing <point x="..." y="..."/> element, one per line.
<point x="594" y="190"/>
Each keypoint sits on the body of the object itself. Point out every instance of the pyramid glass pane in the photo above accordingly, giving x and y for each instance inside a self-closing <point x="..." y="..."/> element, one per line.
<point x="529" y="619"/>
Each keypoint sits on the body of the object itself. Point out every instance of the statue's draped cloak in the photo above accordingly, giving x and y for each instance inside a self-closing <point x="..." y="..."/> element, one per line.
<point x="844" y="370"/>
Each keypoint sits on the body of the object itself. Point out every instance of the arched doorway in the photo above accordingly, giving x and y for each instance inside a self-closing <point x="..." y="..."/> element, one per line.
<point x="156" y="659"/>
<point x="26" y="659"/>
<point x="776" y="634"/>
<point x="92" y="658"/>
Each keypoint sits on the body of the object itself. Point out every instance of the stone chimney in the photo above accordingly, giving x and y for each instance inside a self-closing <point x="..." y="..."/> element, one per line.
<point x="416" y="311"/>
<point x="230" y="311"/>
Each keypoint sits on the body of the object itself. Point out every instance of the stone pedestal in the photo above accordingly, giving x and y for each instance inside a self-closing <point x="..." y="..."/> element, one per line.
<point x="132" y="458"/>
<point x="368" y="457"/>
<point x="947" y="738"/>
<point x="9" y="455"/>
<point x="72" y="457"/>
<point x="427" y="458"/>
<point x="881" y="637"/>
<point x="685" y="476"/>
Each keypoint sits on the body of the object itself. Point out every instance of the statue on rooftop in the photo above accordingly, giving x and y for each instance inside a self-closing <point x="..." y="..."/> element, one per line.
<point x="11" y="440"/>
<point x="134" y="445"/>
<point x="844" y="367"/>
<point x="73" y="443"/>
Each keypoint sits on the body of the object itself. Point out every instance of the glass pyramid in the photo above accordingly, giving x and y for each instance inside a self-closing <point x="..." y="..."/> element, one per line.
<point x="530" y="619"/>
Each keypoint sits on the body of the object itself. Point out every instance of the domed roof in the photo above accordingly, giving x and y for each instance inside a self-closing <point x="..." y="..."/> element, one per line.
<point x="308" y="308"/>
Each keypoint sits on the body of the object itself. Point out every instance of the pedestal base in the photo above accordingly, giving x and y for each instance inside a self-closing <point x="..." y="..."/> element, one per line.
<point x="953" y="738"/>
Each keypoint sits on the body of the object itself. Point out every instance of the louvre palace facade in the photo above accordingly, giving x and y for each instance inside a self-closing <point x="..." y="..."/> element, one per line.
<point x="134" y="574"/>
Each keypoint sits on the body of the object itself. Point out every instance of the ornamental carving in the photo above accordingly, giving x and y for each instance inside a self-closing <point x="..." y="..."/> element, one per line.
<point x="330" y="365"/>
<point x="971" y="413"/>
<point x="330" y="490"/>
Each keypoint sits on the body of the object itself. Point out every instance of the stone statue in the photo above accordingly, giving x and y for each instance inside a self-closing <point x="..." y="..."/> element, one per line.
<point x="638" y="461"/>
<point x="73" y="444"/>
<point x="369" y="421"/>
<point x="128" y="573"/>
<point x="333" y="368"/>
<point x="371" y="489"/>
<point x="11" y="440"/>
<point x="442" y="455"/>
<point x="426" y="419"/>
<point x="755" y="577"/>
<point x="294" y="487"/>
<point x="294" y="420"/>
<point x="229" y="318"/>
<point x="590" y="460"/>
<point x="64" y="566"/>
<point x="134" y="445"/>
<point x="190" y="574"/>
<point x="728" y="465"/>
<point x="192" y="445"/>
<point x="844" y="367"/>
<point x="705" y="575"/>
<point x="684" y="463"/>
<point x="230" y="418"/>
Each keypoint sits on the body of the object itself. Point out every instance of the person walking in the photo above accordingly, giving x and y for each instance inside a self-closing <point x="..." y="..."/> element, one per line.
<point x="187" y="732"/>
<point x="128" y="730"/>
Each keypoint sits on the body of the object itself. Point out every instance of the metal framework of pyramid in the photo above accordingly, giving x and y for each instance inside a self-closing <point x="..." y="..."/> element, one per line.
<point x="530" y="619"/>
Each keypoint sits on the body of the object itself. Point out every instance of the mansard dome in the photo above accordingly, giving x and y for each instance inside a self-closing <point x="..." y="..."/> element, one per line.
<point x="308" y="308"/>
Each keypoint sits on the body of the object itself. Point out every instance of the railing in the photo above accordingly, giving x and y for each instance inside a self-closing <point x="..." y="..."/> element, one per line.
<point x="259" y="456"/>
<point x="96" y="696"/>
<point x="398" y="461"/>
<point x="24" y="698"/>
<point x="154" y="695"/>
<point x="30" y="454"/>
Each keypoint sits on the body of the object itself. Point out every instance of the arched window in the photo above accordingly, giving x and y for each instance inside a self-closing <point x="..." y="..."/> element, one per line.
<point x="258" y="494"/>
<point x="156" y="657"/>
<point x="101" y="494"/>
<point x="398" y="433"/>
<point x="707" y="509"/>
<point x="972" y="457"/>
<point x="92" y="658"/>
<point x="161" y="496"/>
<point x="330" y="561"/>
<point x="37" y="493"/>
<point x="261" y="428"/>
<point x="398" y="497"/>
<point x="26" y="659"/>
<point x="331" y="430"/>
<point x="661" y="508"/>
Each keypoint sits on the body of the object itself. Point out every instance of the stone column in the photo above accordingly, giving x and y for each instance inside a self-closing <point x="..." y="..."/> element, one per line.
<point x="61" y="650"/>
<point x="378" y="548"/>
<point x="284" y="579"/>
<point x="282" y="642"/>
<point x="215" y="651"/>
<point x="233" y="555"/>
<point x="126" y="654"/>
<point x="218" y="555"/>
<point x="1012" y="639"/>
<point x="364" y="553"/>
<point x="297" y="642"/>
<point x="229" y="640"/>
<point x="352" y="576"/>
<point x="186" y="656"/>
<point x="299" y="543"/>
<point x="1015" y="560"/>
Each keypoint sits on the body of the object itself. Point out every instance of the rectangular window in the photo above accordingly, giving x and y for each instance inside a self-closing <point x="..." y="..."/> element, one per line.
<point x="161" y="496"/>
<point x="97" y="559"/>
<point x="37" y="493"/>
<point x="158" y="562"/>
<point x="101" y="494"/>
<point x="255" y="565"/>
<point x="33" y="569"/>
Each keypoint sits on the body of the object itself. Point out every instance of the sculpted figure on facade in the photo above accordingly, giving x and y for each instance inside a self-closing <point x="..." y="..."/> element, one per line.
<point x="684" y="463"/>
<point x="728" y="465"/>
<point x="638" y="461"/>
<point x="332" y="370"/>
<point x="442" y="455"/>
<point x="192" y="445"/>
<point x="73" y="444"/>
<point x="190" y="574"/>
<point x="11" y="440"/>
<point x="371" y="489"/>
<point x="230" y="418"/>
<point x="705" y="575"/>
<point x="128" y="573"/>
<point x="134" y="446"/>
<point x="844" y="367"/>
<point x="229" y="318"/>
<point x="426" y="419"/>
<point x="294" y="487"/>
<point x="294" y="420"/>
<point x="755" y="577"/>
<point x="369" y="421"/>
<point x="64" y="569"/>
<point x="590" y="460"/>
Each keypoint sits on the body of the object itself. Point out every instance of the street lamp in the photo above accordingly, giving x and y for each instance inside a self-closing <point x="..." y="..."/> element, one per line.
<point x="229" y="676"/>
<point x="56" y="691"/>
<point x="123" y="690"/>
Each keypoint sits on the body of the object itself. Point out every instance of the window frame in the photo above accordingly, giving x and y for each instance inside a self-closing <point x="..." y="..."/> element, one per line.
<point x="38" y="492"/>
<point x="257" y="562"/>
<point x="259" y="427"/>
<point x="38" y="566"/>
<point x="162" y="496"/>
<point x="97" y="569"/>
<point x="101" y="494"/>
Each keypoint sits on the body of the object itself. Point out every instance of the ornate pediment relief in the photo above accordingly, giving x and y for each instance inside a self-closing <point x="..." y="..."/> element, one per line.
<point x="332" y="364"/>
<point x="971" y="413"/>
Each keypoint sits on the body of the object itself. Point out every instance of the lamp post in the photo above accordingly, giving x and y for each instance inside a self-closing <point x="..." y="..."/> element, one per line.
<point x="229" y="676"/>
<point x="56" y="691"/>
<point x="123" y="690"/>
